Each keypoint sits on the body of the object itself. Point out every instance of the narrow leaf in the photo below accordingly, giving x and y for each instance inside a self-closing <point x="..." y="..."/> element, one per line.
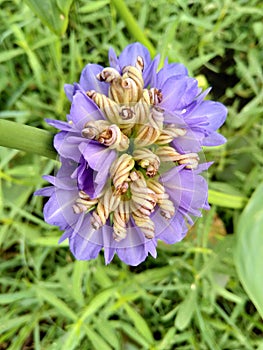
<point x="186" y="310"/>
<point x="249" y="249"/>
<point x="140" y="323"/>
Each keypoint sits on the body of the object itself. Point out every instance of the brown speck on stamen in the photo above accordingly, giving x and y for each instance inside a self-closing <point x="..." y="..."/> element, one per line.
<point x="126" y="113"/>
<point x="140" y="63"/>
<point x="108" y="75"/>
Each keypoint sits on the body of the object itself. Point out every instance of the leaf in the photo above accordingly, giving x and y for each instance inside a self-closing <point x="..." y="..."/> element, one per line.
<point x="97" y="341"/>
<point x="140" y="323"/>
<point x="52" y="13"/>
<point x="226" y="200"/>
<point x="97" y="302"/>
<point x="93" y="6"/>
<point x="186" y="310"/>
<point x="249" y="249"/>
<point x="57" y="303"/>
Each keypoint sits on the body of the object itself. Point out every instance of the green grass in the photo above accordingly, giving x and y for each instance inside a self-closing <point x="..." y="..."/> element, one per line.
<point x="190" y="297"/>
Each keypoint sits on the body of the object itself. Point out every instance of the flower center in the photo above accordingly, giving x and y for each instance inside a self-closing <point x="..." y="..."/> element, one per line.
<point x="135" y="129"/>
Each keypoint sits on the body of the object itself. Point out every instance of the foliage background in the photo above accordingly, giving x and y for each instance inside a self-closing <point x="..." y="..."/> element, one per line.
<point x="191" y="296"/>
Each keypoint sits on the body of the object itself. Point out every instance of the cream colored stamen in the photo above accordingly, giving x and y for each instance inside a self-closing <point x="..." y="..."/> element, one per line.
<point x="107" y="204"/>
<point x="147" y="160"/>
<point x="120" y="171"/>
<point x="121" y="217"/>
<point x="110" y="108"/>
<point x="169" y="133"/>
<point x="143" y="199"/>
<point x="83" y="203"/>
<point x="169" y="154"/>
<point x="93" y="128"/>
<point x="108" y="75"/>
<point x="165" y="204"/>
<point x="114" y="138"/>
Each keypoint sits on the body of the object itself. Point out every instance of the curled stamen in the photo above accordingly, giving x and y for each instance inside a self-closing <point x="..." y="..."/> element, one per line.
<point x="136" y="75"/>
<point x="146" y="136"/>
<point x="110" y="108"/>
<point x="127" y="113"/>
<point x="114" y="138"/>
<point x="165" y="204"/>
<point x="145" y="224"/>
<point x="156" y="118"/>
<point x="142" y="110"/>
<point x="120" y="171"/>
<point x="169" y="133"/>
<point x="153" y="96"/>
<point x="169" y="154"/>
<point x="148" y="160"/>
<point x="128" y="87"/>
<point x="121" y="217"/>
<point x="108" y="75"/>
<point x="148" y="133"/>
<point x="107" y="204"/>
<point x="83" y="203"/>
<point x="93" y="128"/>
<point x="143" y="199"/>
<point x="191" y="159"/>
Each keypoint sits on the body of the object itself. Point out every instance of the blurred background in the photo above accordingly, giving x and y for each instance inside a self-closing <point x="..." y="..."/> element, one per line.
<point x="205" y="292"/>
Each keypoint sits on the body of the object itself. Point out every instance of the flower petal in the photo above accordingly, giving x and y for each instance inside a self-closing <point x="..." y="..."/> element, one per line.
<point x="67" y="146"/>
<point x="83" y="110"/>
<point x="89" y="81"/>
<point x="170" y="231"/>
<point x="214" y="112"/>
<point x="99" y="158"/>
<point x="58" y="124"/>
<point x="83" y="249"/>
<point x="178" y="92"/>
<point x="214" y="139"/>
<point x="168" y="71"/>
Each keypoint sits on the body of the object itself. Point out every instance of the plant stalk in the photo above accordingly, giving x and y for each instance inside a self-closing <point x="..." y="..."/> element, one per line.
<point x="27" y="138"/>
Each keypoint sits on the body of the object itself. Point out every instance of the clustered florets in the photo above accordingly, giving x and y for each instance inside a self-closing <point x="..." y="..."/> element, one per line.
<point x="135" y="129"/>
<point x="129" y="153"/>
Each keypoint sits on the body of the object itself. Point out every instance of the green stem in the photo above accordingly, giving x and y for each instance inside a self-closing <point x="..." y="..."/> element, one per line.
<point x="27" y="138"/>
<point x="132" y="25"/>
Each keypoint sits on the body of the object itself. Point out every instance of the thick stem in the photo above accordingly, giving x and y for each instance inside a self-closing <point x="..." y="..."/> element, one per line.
<point x="132" y="25"/>
<point x="27" y="138"/>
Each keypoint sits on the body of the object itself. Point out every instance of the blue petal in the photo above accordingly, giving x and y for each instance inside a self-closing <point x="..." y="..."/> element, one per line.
<point x="178" y="93"/>
<point x="214" y="139"/>
<point x="69" y="88"/>
<point x="83" y="110"/>
<point x="45" y="192"/>
<point x="83" y="249"/>
<point x="67" y="145"/>
<point x="214" y="112"/>
<point x="89" y="81"/>
<point x="170" y="231"/>
<point x="58" y="124"/>
<point x="168" y="71"/>
<point x="58" y="210"/>
<point x="99" y="158"/>
<point x="113" y="60"/>
<point x="129" y="55"/>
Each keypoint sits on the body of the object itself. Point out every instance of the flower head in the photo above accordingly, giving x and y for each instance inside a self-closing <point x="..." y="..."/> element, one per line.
<point x="130" y="171"/>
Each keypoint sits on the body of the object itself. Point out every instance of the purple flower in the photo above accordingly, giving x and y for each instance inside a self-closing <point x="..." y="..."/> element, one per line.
<point x="130" y="174"/>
